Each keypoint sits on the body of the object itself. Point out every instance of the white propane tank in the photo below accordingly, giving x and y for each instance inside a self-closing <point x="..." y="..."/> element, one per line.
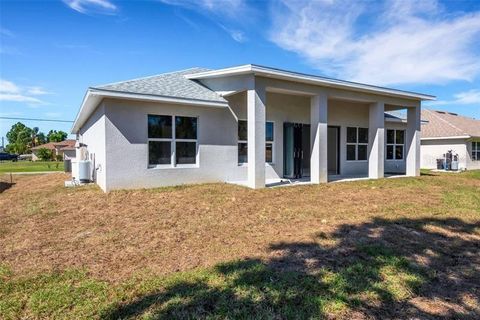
<point x="84" y="171"/>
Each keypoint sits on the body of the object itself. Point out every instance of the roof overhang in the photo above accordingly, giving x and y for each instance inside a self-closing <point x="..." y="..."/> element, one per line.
<point x="94" y="96"/>
<point x="446" y="138"/>
<point x="309" y="79"/>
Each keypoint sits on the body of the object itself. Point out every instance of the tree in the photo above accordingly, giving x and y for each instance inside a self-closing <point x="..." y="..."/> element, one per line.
<point x="44" y="154"/>
<point x="38" y="137"/>
<point x="19" y="138"/>
<point x="56" y="136"/>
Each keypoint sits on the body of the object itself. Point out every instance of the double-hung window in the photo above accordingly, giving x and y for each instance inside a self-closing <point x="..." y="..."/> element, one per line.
<point x="243" y="141"/>
<point x="172" y="140"/>
<point x="395" y="144"/>
<point x="357" y="144"/>
<point x="476" y="150"/>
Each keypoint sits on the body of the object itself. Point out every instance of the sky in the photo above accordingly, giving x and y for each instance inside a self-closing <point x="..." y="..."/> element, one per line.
<point x="52" y="51"/>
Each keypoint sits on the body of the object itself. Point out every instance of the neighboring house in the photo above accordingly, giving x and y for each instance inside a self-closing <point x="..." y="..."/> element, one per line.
<point x="443" y="131"/>
<point x="247" y="124"/>
<point x="65" y="148"/>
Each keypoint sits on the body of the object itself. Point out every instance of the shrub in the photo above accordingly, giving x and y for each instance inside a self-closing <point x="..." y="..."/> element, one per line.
<point x="45" y="154"/>
<point x="59" y="157"/>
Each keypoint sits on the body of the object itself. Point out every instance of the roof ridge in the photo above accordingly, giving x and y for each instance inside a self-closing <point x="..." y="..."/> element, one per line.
<point x="446" y="121"/>
<point x="145" y="77"/>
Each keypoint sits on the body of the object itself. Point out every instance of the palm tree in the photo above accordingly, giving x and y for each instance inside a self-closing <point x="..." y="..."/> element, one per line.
<point x="35" y="131"/>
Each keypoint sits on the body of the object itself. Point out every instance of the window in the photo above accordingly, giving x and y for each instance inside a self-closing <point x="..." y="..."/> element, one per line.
<point x="357" y="144"/>
<point x="476" y="150"/>
<point x="243" y="141"/>
<point x="172" y="140"/>
<point x="395" y="144"/>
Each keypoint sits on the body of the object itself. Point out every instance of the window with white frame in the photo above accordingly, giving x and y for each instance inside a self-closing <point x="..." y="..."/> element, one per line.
<point x="395" y="144"/>
<point x="243" y="141"/>
<point x="476" y="150"/>
<point x="357" y="144"/>
<point x="172" y="140"/>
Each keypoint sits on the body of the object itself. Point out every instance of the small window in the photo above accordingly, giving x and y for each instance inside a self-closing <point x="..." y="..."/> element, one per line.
<point x="357" y="144"/>
<point x="395" y="144"/>
<point x="243" y="141"/>
<point x="163" y="145"/>
<point x="476" y="150"/>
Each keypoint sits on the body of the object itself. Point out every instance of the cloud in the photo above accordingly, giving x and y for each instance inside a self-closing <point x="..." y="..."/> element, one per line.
<point x="8" y="87"/>
<point x="395" y="42"/>
<point x="461" y="98"/>
<point x="37" y="91"/>
<point x="229" y="8"/>
<point x="223" y="12"/>
<point x="95" y="6"/>
<point x="7" y="33"/>
<point x="236" y="35"/>
<point x="10" y="91"/>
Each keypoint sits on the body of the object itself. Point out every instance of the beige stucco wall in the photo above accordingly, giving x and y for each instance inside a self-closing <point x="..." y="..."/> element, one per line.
<point x="117" y="136"/>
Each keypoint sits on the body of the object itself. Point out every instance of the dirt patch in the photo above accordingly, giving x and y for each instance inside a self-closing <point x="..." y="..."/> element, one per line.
<point x="45" y="226"/>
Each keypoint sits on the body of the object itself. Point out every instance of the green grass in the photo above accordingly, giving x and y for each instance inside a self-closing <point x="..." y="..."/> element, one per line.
<point x="30" y="166"/>
<point x="238" y="289"/>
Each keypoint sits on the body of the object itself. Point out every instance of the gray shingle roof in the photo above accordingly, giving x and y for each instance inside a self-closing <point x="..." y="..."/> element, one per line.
<point x="172" y="84"/>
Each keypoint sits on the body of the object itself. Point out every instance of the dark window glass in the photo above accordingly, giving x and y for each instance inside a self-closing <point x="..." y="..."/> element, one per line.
<point x="478" y="155"/>
<point x="351" y="135"/>
<point x="185" y="128"/>
<point x="159" y="126"/>
<point x="242" y="152"/>
<point x="242" y="130"/>
<point x="389" y="152"/>
<point x="269" y="131"/>
<point x="186" y="152"/>
<point x="399" y="152"/>
<point x="362" y="135"/>
<point x="269" y="152"/>
<point x="350" y="152"/>
<point x="362" y="152"/>
<point x="390" y="136"/>
<point x="159" y="152"/>
<point x="400" y="137"/>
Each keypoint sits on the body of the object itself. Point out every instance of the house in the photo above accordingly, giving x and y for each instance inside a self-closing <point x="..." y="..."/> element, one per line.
<point x="248" y="124"/>
<point x="444" y="131"/>
<point x="65" y="149"/>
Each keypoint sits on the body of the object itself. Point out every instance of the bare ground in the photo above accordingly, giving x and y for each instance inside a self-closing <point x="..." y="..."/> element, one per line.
<point x="44" y="226"/>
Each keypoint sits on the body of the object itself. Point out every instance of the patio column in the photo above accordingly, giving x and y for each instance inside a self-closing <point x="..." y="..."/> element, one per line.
<point x="256" y="102"/>
<point x="376" y="140"/>
<point x="413" y="141"/>
<point x="319" y="131"/>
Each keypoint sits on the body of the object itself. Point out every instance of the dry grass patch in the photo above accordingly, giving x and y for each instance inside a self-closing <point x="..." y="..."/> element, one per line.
<point x="363" y="249"/>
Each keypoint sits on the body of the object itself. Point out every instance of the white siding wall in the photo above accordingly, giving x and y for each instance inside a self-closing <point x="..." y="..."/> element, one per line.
<point x="431" y="150"/>
<point x="93" y="135"/>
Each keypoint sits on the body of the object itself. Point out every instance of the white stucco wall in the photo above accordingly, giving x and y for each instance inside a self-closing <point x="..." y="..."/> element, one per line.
<point x="431" y="150"/>
<point x="472" y="164"/>
<point x="93" y="135"/>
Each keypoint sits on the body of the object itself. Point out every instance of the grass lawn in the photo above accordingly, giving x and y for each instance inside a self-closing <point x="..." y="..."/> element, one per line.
<point x="30" y="166"/>
<point x="391" y="248"/>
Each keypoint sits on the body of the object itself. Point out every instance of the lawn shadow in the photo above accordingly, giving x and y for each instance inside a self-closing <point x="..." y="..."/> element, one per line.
<point x="5" y="185"/>
<point x="383" y="269"/>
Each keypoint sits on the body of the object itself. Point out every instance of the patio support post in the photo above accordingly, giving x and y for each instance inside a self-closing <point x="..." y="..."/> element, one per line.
<point x="376" y="137"/>
<point x="413" y="141"/>
<point x="319" y="131"/>
<point x="256" y="117"/>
